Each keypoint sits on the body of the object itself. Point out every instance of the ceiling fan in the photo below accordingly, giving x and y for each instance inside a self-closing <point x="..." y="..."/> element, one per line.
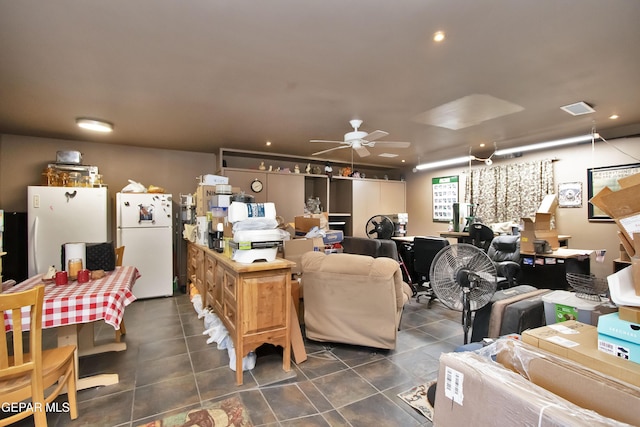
<point x="359" y="140"/>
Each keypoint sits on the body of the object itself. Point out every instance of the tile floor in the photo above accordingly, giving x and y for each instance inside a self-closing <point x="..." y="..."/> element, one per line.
<point x="168" y="367"/>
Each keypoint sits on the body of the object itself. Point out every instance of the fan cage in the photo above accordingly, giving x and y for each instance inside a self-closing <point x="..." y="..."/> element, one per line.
<point x="588" y="286"/>
<point x="451" y="260"/>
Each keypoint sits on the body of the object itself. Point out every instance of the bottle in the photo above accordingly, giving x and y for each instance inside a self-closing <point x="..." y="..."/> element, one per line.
<point x="219" y="238"/>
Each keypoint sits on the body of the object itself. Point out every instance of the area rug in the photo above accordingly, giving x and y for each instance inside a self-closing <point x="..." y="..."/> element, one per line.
<point x="417" y="398"/>
<point x="228" y="412"/>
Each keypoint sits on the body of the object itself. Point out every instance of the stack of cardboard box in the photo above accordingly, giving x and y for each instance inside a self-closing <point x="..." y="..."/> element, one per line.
<point x="623" y="206"/>
<point x="539" y="227"/>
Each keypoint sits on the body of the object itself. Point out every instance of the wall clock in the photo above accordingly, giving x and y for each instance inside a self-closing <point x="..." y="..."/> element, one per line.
<point x="256" y="186"/>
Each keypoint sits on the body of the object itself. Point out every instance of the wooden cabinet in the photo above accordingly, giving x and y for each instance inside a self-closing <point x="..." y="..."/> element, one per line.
<point x="195" y="269"/>
<point x="252" y="300"/>
<point x="366" y="198"/>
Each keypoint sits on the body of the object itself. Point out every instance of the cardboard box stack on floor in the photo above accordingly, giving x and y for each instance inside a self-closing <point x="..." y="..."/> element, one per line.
<point x="539" y="226"/>
<point x="623" y="206"/>
<point x="528" y="386"/>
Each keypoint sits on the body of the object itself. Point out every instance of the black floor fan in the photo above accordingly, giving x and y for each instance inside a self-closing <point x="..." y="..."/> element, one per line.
<point x="463" y="278"/>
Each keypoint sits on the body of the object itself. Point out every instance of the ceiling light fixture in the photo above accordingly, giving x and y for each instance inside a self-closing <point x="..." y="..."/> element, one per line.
<point x="488" y="161"/>
<point x="441" y="163"/>
<point x="614" y="116"/>
<point x="438" y="36"/>
<point x="95" y="125"/>
<point x="548" y="144"/>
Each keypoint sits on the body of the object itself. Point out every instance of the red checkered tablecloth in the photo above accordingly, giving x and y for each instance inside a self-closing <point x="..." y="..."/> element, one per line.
<point x="101" y="299"/>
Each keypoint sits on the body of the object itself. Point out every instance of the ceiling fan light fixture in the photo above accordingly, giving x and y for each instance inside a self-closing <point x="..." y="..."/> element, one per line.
<point x="94" y="125"/>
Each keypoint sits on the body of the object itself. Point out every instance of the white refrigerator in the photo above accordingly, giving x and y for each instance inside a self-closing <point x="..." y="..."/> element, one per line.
<point x="144" y="224"/>
<point x="59" y="215"/>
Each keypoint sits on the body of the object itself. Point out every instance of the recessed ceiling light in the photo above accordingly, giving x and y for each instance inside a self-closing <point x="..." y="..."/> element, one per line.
<point x="268" y="143"/>
<point x="94" y="125"/>
<point x="482" y="145"/>
<point x="438" y="36"/>
<point x="614" y="116"/>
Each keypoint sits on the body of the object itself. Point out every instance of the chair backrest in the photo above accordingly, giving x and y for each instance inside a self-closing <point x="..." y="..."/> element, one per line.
<point x="119" y="255"/>
<point x="424" y="251"/>
<point x="388" y="249"/>
<point x="505" y="248"/>
<point x="481" y="235"/>
<point x="16" y="360"/>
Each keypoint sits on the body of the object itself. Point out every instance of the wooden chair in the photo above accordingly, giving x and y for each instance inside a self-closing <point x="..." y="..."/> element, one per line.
<point x="119" y="256"/>
<point x="27" y="375"/>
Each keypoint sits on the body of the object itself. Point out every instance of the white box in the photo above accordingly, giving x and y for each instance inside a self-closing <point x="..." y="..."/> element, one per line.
<point x="213" y="179"/>
<point x="560" y="306"/>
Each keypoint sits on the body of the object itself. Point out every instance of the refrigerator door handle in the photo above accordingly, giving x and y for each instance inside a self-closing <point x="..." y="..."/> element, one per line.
<point x="70" y="195"/>
<point x="35" y="245"/>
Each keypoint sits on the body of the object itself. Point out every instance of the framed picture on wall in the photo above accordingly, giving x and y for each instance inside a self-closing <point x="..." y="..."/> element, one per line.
<point x="445" y="194"/>
<point x="599" y="178"/>
<point x="570" y="195"/>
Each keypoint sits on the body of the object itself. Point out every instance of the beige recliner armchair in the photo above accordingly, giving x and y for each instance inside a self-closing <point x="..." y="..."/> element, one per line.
<point x="353" y="299"/>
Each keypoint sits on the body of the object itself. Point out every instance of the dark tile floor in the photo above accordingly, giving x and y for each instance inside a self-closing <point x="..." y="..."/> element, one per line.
<point x="168" y="368"/>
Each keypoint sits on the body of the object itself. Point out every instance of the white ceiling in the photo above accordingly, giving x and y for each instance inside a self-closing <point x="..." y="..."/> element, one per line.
<point x="204" y="74"/>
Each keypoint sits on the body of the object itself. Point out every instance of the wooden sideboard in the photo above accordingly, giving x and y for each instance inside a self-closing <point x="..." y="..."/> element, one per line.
<point x="252" y="300"/>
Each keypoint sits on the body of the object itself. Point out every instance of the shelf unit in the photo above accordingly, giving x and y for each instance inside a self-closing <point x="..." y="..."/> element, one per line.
<point x="350" y="202"/>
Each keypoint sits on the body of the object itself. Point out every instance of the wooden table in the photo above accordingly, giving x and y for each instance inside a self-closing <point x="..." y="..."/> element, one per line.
<point x="254" y="303"/>
<point x="73" y="308"/>
<point x="463" y="237"/>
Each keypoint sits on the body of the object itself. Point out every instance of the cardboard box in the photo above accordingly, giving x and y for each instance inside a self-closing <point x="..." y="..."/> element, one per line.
<point x="579" y="342"/>
<point x="538" y="227"/>
<point x="474" y="390"/>
<point x="619" y="337"/>
<point x="548" y="204"/>
<point x="578" y="384"/>
<point x="294" y="248"/>
<point x="304" y="223"/>
<point x="204" y="197"/>
<point x="630" y="314"/>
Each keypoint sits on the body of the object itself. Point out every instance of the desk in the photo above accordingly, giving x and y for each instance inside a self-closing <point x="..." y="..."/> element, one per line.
<point x="549" y="271"/>
<point x="463" y="237"/>
<point x="68" y="308"/>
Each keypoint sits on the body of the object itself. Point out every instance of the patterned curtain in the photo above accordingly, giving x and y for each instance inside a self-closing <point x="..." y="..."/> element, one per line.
<point x="507" y="193"/>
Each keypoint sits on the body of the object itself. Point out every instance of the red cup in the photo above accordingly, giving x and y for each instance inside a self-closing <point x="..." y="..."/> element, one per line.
<point x="62" y="278"/>
<point x="83" y="276"/>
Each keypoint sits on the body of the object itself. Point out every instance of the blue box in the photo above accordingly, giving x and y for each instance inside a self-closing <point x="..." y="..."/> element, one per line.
<point x="333" y="236"/>
<point x="611" y="325"/>
<point x="618" y="337"/>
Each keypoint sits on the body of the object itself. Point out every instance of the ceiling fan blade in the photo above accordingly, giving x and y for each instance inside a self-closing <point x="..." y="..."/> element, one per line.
<point x="325" y="140"/>
<point x="376" y="134"/>
<point x="396" y="144"/>
<point x="330" y="149"/>
<point x="362" y="152"/>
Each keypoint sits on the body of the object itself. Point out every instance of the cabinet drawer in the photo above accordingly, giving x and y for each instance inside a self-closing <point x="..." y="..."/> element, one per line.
<point x="230" y="287"/>
<point x="229" y="313"/>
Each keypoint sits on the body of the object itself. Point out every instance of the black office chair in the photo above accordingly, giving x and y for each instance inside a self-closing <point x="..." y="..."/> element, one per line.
<point x="424" y="251"/>
<point x="504" y="251"/>
<point x="481" y="236"/>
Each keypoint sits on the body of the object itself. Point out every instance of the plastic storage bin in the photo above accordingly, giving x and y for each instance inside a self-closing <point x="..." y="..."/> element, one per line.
<point x="564" y="305"/>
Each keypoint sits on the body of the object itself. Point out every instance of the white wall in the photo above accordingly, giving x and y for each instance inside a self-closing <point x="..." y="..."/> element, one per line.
<point x="571" y="165"/>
